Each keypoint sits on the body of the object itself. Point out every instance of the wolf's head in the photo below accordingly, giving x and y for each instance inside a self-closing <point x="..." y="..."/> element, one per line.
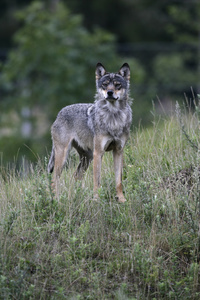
<point x="112" y="86"/>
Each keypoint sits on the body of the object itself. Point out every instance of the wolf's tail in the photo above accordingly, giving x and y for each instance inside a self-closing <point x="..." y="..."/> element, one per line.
<point x="51" y="161"/>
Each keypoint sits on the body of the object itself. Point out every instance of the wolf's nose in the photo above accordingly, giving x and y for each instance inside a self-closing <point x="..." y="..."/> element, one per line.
<point x="110" y="93"/>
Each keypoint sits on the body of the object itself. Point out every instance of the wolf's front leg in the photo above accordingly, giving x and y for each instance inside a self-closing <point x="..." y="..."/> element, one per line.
<point x="118" y="165"/>
<point x="97" y="172"/>
<point x="97" y="157"/>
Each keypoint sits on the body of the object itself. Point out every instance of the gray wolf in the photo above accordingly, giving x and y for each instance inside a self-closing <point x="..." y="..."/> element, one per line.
<point x="94" y="128"/>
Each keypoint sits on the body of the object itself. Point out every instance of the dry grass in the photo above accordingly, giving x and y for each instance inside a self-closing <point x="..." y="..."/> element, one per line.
<point x="77" y="248"/>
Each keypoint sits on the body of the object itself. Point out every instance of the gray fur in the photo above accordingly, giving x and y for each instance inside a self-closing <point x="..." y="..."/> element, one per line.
<point x="110" y="116"/>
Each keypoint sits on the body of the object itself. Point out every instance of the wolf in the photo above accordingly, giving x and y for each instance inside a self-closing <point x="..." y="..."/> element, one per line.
<point x="93" y="128"/>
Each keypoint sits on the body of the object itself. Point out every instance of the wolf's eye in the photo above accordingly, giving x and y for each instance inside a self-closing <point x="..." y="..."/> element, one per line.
<point x="118" y="86"/>
<point x="104" y="85"/>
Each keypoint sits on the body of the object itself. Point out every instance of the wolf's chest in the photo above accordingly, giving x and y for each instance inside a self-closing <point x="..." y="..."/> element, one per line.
<point x="111" y="122"/>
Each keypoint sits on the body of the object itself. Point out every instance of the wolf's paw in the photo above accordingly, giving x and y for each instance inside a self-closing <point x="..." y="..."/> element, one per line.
<point x="121" y="199"/>
<point x="96" y="196"/>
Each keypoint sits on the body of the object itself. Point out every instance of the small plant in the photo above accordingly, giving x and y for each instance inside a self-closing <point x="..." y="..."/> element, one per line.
<point x="76" y="248"/>
<point x="192" y="138"/>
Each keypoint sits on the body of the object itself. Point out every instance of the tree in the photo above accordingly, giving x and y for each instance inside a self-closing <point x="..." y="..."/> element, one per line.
<point x="53" y="65"/>
<point x="54" y="58"/>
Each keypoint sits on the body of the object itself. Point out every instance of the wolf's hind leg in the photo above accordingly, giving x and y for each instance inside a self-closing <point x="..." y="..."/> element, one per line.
<point x="61" y="154"/>
<point x="85" y="160"/>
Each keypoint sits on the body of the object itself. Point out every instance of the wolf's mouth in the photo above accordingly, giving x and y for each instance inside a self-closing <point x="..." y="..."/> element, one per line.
<point x="110" y="98"/>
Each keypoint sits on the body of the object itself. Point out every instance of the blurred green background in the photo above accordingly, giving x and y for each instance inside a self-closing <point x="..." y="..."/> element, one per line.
<point x="49" y="50"/>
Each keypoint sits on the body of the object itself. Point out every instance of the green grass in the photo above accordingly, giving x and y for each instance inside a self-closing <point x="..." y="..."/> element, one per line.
<point x="77" y="248"/>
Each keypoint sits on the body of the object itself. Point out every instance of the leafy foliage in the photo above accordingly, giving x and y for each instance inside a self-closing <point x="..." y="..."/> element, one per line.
<point x="54" y="58"/>
<point x="171" y="72"/>
<point x="52" y="66"/>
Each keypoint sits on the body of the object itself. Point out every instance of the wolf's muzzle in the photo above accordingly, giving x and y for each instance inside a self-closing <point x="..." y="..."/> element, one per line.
<point x="110" y="94"/>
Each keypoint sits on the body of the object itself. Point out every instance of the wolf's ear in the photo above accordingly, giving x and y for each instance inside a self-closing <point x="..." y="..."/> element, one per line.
<point x="100" y="71"/>
<point x="125" y="71"/>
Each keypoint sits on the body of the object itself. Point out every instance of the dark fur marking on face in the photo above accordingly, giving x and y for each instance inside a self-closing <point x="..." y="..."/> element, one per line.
<point x="116" y="79"/>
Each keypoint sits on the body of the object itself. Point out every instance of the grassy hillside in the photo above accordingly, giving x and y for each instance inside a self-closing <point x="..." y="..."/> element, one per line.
<point x="77" y="248"/>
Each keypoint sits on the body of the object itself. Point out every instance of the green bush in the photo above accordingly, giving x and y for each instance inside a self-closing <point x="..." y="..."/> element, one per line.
<point x="52" y="65"/>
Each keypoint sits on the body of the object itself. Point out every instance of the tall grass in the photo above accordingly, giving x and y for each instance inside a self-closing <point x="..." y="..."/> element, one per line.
<point x="77" y="248"/>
